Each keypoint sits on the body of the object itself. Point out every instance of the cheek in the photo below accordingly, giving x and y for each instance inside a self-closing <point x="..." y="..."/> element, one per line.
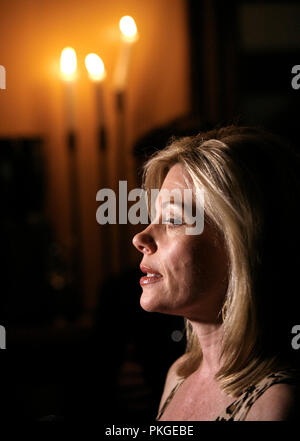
<point x="211" y="269"/>
<point x="195" y="265"/>
<point x="182" y="263"/>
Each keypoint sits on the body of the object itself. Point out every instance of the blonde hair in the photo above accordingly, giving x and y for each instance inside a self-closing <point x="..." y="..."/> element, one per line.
<point x="233" y="164"/>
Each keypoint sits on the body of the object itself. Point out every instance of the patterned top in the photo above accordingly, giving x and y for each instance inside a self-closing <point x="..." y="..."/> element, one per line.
<point x="238" y="409"/>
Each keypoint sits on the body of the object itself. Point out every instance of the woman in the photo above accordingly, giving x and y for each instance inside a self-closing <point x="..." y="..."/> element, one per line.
<point x="235" y="283"/>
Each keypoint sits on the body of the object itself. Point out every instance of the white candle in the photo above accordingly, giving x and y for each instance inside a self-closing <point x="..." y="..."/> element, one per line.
<point x="129" y="36"/>
<point x="68" y="66"/>
<point x="97" y="74"/>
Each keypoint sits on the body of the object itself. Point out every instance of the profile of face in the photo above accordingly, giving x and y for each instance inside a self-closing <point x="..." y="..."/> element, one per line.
<point x="186" y="274"/>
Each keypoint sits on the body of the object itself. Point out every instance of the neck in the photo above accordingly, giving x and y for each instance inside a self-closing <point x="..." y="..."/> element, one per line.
<point x="209" y="336"/>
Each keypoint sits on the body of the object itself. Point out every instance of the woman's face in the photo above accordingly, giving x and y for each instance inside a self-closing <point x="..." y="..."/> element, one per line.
<point x="188" y="273"/>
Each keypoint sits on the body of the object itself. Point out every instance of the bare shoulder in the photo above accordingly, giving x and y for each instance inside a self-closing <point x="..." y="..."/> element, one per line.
<point x="278" y="403"/>
<point x="171" y="379"/>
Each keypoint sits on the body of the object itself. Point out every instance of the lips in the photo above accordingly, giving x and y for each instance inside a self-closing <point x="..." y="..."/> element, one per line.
<point x="152" y="276"/>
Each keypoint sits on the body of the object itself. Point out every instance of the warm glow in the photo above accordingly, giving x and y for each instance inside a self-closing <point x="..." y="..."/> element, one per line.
<point x="128" y="28"/>
<point x="68" y="63"/>
<point x="95" y="67"/>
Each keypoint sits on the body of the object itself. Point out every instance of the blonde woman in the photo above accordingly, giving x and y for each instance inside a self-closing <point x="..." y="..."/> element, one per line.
<point x="236" y="282"/>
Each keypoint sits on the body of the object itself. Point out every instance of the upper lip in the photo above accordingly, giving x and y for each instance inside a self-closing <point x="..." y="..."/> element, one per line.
<point x="146" y="269"/>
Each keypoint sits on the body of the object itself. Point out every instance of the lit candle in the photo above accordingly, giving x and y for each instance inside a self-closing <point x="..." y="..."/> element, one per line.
<point x="97" y="74"/>
<point x="95" y="67"/>
<point x="68" y="66"/>
<point x="129" y="36"/>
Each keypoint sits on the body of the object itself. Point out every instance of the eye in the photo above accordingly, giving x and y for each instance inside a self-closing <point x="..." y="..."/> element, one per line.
<point x="174" y="221"/>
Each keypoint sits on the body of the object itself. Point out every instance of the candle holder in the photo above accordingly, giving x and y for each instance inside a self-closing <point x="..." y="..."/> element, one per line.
<point x="68" y="64"/>
<point x="76" y="274"/>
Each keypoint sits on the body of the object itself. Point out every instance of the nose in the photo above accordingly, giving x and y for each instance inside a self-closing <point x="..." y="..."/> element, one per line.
<point x="145" y="242"/>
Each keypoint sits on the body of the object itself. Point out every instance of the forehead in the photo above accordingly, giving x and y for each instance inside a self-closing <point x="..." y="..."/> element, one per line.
<point x="177" y="178"/>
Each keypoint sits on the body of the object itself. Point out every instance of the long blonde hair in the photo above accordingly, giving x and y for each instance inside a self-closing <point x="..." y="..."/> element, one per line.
<point x="239" y="168"/>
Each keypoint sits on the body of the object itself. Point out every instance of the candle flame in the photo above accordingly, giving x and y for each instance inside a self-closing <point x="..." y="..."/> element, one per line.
<point x="128" y="28"/>
<point x="95" y="67"/>
<point x="68" y="63"/>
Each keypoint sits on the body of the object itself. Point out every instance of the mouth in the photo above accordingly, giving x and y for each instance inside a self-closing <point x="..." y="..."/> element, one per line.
<point x="151" y="277"/>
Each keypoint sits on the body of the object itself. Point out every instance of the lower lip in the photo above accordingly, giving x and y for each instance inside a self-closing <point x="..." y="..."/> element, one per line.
<point x="149" y="280"/>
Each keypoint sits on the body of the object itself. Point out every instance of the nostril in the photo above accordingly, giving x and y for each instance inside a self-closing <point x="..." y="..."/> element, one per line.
<point x="141" y="248"/>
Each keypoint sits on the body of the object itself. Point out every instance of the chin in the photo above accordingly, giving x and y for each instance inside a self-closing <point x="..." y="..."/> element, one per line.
<point x="151" y="301"/>
<point x="151" y="304"/>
